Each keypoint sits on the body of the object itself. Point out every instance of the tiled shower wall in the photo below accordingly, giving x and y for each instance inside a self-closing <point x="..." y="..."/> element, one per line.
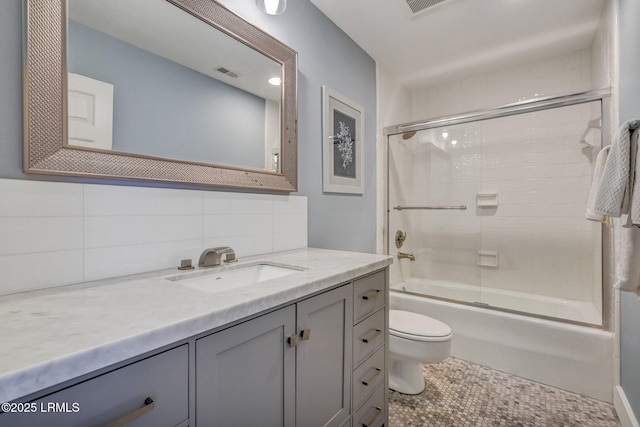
<point x="549" y="207"/>
<point x="61" y="233"/>
<point x="561" y="75"/>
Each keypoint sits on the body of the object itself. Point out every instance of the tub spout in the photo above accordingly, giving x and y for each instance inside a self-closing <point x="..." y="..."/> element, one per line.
<point x="402" y="255"/>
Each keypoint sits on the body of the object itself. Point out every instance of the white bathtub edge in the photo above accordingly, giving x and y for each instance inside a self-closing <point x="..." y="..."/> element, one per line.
<point x="623" y="408"/>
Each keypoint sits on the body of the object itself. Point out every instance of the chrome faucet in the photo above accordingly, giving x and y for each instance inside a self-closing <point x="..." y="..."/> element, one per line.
<point x="212" y="257"/>
<point x="402" y="255"/>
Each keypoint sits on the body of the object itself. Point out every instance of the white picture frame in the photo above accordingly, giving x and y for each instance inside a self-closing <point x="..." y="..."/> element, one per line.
<point x="342" y="144"/>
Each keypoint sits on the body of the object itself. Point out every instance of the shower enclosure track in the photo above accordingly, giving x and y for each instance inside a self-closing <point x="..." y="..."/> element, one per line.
<point x="528" y="106"/>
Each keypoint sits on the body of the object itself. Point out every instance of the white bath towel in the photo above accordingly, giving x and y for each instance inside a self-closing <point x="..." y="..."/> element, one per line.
<point x="634" y="180"/>
<point x="629" y="279"/>
<point x="596" y="183"/>
<point x="612" y="197"/>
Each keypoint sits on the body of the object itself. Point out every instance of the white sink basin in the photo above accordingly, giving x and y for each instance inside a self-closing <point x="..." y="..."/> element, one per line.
<point x="219" y="280"/>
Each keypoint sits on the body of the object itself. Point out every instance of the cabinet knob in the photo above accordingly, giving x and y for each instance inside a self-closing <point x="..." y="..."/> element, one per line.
<point x="292" y="340"/>
<point x="305" y="334"/>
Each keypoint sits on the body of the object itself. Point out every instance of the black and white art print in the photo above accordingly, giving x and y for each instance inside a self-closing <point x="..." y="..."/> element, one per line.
<point x="342" y="144"/>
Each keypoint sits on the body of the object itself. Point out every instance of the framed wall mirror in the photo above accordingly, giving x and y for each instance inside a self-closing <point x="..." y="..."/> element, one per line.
<point x="180" y="91"/>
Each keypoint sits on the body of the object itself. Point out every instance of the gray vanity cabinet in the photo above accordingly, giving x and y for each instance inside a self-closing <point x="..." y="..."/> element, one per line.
<point x="320" y="361"/>
<point x="289" y="367"/>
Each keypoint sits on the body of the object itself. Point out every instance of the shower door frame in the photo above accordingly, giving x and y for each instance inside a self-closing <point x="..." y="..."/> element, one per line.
<point x="538" y="104"/>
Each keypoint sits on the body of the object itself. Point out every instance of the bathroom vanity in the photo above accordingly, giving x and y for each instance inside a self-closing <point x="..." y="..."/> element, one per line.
<point x="303" y="344"/>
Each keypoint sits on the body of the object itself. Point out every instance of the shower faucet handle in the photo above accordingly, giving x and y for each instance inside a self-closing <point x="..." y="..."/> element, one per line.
<point x="401" y="236"/>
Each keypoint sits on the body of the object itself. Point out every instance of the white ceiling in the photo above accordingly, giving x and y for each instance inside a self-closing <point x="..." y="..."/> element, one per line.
<point x="459" y="39"/>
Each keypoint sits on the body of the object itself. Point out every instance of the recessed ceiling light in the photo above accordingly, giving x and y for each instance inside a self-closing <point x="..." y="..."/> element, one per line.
<point x="445" y="135"/>
<point x="276" y="81"/>
<point x="272" y="7"/>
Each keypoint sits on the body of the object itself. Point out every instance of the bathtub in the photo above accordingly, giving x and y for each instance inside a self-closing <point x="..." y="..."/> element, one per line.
<point x="572" y="357"/>
<point x="540" y="305"/>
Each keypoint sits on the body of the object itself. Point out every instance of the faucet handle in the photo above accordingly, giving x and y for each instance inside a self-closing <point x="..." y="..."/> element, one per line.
<point x="230" y="257"/>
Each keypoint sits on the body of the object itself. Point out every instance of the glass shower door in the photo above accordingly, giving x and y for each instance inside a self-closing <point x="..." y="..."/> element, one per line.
<point x="492" y="212"/>
<point x="434" y="176"/>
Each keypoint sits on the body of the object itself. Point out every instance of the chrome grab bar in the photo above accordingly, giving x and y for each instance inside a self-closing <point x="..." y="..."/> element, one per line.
<point x="400" y="208"/>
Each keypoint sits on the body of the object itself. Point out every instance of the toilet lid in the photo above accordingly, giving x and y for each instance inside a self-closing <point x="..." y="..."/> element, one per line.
<point x="408" y="323"/>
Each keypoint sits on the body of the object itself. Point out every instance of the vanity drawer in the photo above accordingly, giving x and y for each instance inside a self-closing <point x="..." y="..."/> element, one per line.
<point x="372" y="413"/>
<point x="367" y="377"/>
<point x="368" y="295"/>
<point x="368" y="336"/>
<point x="113" y="396"/>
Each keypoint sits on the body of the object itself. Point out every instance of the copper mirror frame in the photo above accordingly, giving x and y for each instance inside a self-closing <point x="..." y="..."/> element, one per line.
<point x="45" y="89"/>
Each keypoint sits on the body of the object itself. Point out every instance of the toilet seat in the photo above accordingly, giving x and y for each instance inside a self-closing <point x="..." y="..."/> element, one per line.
<point x="417" y="327"/>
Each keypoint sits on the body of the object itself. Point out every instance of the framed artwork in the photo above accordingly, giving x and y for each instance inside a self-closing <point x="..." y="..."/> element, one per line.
<point x="342" y="144"/>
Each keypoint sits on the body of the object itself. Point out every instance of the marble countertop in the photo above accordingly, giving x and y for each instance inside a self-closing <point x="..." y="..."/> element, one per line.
<point x="54" y="335"/>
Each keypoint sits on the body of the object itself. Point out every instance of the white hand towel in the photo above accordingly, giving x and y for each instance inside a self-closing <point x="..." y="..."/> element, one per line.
<point x="634" y="178"/>
<point x="596" y="183"/>
<point x="629" y="279"/>
<point x="612" y="198"/>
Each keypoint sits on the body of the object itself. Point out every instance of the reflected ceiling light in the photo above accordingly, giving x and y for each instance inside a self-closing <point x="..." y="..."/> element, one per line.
<point x="445" y="135"/>
<point x="275" y="81"/>
<point x="272" y="7"/>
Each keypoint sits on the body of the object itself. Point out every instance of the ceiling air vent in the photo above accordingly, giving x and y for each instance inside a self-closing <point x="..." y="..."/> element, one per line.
<point x="420" y="5"/>
<point x="227" y="72"/>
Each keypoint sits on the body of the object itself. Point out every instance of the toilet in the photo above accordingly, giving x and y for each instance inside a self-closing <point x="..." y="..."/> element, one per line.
<point x="414" y="339"/>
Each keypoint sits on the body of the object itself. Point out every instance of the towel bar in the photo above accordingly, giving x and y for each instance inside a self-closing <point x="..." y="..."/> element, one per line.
<point x="400" y="208"/>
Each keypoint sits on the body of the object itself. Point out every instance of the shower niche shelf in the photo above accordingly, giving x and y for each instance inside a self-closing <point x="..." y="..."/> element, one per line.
<point x="487" y="200"/>
<point x="488" y="259"/>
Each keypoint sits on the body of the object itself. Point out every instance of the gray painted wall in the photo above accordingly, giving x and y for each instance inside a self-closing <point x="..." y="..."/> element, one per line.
<point x="326" y="56"/>
<point x="162" y="108"/>
<point x="629" y="16"/>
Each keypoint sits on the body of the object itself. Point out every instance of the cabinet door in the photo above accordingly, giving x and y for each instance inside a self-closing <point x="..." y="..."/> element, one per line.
<point x="245" y="374"/>
<point x="323" y="373"/>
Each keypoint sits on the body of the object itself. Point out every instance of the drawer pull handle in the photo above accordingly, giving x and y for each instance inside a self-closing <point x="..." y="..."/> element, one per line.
<point x="373" y="377"/>
<point x="292" y="340"/>
<point x="371" y="294"/>
<point x="305" y="334"/>
<point x="375" y="417"/>
<point x="149" y="404"/>
<point x="372" y="337"/>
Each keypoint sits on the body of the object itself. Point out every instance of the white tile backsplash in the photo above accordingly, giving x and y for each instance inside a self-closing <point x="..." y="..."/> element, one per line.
<point x="39" y="234"/>
<point x="112" y="261"/>
<point x="105" y="231"/>
<point x="40" y="270"/>
<point x="237" y="203"/>
<point x="36" y="199"/>
<point x="120" y="200"/>
<point x="59" y="233"/>
<point x="225" y="225"/>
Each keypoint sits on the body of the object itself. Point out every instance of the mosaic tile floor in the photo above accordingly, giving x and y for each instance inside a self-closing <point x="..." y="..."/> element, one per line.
<point x="463" y="394"/>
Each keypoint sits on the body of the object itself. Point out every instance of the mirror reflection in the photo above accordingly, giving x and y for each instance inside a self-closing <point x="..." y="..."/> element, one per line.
<point x="147" y="78"/>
